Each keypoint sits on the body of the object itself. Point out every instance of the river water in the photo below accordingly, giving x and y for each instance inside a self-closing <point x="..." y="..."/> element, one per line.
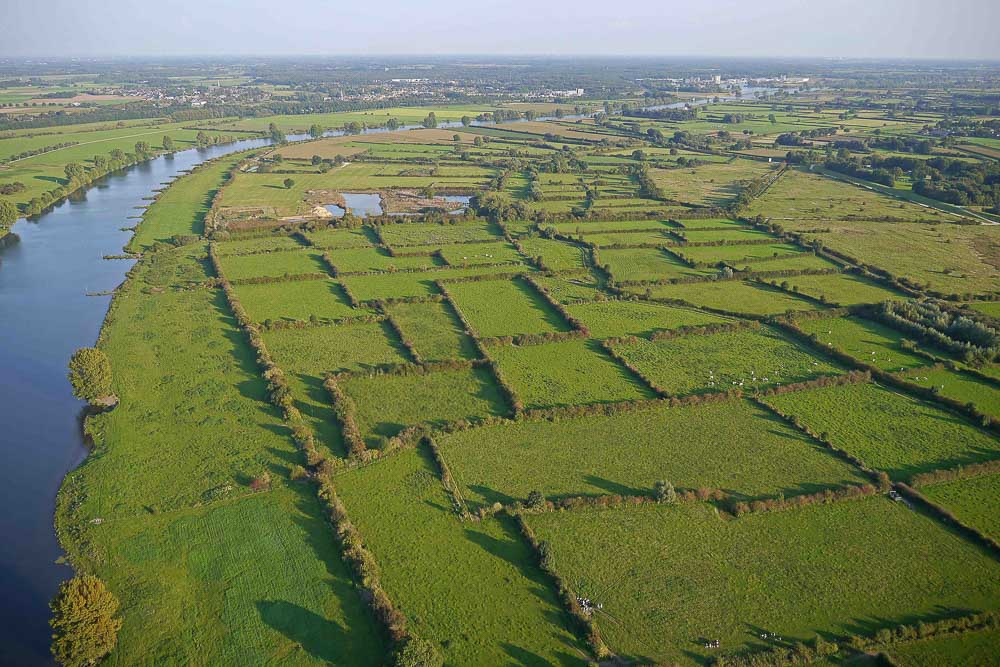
<point x="45" y="314"/>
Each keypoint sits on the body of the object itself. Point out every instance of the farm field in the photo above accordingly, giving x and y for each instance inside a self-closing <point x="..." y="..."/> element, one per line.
<point x="748" y="359"/>
<point x="842" y="289"/>
<point x="972" y="500"/>
<point x="433" y="329"/>
<point x="505" y="308"/>
<point x="732" y="445"/>
<point x="609" y="319"/>
<point x="297" y="300"/>
<point x="273" y="264"/>
<point x="867" y="341"/>
<point x="388" y="403"/>
<point x="641" y="264"/>
<point x="963" y="387"/>
<point x="888" y="430"/>
<point x="734" y="296"/>
<point x="447" y="598"/>
<point x="566" y="373"/>
<point x="790" y="586"/>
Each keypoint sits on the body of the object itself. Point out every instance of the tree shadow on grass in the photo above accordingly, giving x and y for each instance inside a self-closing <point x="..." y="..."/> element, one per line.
<point x="321" y="638"/>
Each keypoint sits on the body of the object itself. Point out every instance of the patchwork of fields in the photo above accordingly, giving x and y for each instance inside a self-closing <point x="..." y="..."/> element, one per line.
<point x="558" y="427"/>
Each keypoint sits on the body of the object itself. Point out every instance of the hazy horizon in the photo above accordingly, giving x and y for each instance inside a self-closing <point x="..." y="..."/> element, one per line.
<point x="853" y="29"/>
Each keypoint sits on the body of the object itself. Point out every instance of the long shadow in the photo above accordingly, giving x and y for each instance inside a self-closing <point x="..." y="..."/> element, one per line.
<point x="321" y="638"/>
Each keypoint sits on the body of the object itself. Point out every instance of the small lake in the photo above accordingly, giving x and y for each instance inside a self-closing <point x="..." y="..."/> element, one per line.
<point x="363" y="204"/>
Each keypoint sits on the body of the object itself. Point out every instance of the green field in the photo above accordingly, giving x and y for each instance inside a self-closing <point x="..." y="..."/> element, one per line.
<point x="505" y="308"/>
<point x="888" y="430"/>
<point x="432" y="234"/>
<point x="842" y="289"/>
<point x="268" y="578"/>
<point x="386" y="404"/>
<point x="181" y="209"/>
<point x="963" y="387"/>
<point x="636" y="264"/>
<point x="745" y="359"/>
<point x="297" y="300"/>
<point x="733" y="296"/>
<point x="449" y="577"/>
<point x="608" y="319"/>
<point x="567" y="373"/>
<point x="733" y="445"/>
<point x="417" y="283"/>
<point x="972" y="500"/>
<point x="435" y="332"/>
<point x="273" y="264"/>
<point x="363" y="260"/>
<point x="867" y="341"/>
<point x="688" y="575"/>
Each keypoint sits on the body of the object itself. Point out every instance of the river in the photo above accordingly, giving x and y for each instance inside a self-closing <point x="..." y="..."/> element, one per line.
<point x="46" y="314"/>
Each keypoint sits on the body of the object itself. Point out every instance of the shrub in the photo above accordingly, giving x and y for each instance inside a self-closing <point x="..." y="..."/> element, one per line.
<point x="416" y="652"/>
<point x="535" y="500"/>
<point x="84" y="625"/>
<point x="90" y="374"/>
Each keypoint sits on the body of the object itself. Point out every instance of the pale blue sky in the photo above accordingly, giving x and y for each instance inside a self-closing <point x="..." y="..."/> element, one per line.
<point x="846" y="28"/>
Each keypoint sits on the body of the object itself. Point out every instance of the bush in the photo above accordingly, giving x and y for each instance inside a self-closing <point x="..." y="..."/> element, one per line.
<point x="416" y="652"/>
<point x="90" y="374"/>
<point x="83" y="621"/>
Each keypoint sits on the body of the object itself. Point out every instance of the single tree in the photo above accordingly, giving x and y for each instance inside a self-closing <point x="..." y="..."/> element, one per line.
<point x="84" y="625"/>
<point x="289" y="183"/>
<point x="168" y="143"/>
<point x="90" y="374"/>
<point x="664" y="492"/>
<point x="536" y="500"/>
<point x="431" y="121"/>
<point x="316" y="131"/>
<point x="277" y="136"/>
<point x="316" y="160"/>
<point x="466" y="121"/>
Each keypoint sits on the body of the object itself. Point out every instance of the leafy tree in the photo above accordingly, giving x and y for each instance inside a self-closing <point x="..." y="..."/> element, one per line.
<point x="202" y="139"/>
<point x="73" y="171"/>
<point x="289" y="183"/>
<point x="90" y="374"/>
<point x="141" y="148"/>
<point x="431" y="120"/>
<point x="466" y="121"/>
<point x="317" y="160"/>
<point x="392" y="124"/>
<point x="536" y="500"/>
<point x="168" y="143"/>
<point x="119" y="155"/>
<point x="8" y="212"/>
<point x="416" y="652"/>
<point x="664" y="492"/>
<point x="316" y="131"/>
<point x="84" y="625"/>
<point x="277" y="136"/>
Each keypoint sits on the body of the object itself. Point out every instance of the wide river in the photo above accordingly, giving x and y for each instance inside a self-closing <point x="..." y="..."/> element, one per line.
<point x="45" y="314"/>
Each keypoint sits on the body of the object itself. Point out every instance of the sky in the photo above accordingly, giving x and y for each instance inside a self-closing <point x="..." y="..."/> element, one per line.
<point x="744" y="28"/>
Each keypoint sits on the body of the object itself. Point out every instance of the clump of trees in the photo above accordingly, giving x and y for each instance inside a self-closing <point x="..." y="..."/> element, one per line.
<point x="90" y="375"/>
<point x="84" y="622"/>
<point x="8" y="213"/>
